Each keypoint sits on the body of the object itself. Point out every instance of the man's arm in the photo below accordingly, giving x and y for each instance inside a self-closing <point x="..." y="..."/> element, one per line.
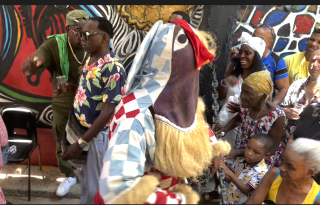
<point x="281" y="79"/>
<point x="73" y="151"/>
<point x="283" y="86"/>
<point x="41" y="58"/>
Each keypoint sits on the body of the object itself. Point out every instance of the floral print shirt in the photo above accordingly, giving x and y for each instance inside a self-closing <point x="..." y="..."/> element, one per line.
<point x="250" y="127"/>
<point x="102" y="81"/>
<point x="296" y="94"/>
<point x="247" y="175"/>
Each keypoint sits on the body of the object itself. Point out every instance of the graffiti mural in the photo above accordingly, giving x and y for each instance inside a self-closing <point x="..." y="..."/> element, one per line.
<point x="23" y="28"/>
<point x="292" y="25"/>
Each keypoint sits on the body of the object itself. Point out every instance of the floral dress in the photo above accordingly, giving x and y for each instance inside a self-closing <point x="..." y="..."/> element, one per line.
<point x="296" y="94"/>
<point x="3" y="143"/>
<point x="250" y="127"/>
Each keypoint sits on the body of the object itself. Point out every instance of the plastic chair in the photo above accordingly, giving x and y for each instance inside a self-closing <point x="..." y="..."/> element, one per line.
<point x="21" y="147"/>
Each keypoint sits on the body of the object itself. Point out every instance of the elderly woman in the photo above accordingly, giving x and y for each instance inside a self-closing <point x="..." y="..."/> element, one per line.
<point x="249" y="61"/>
<point x="303" y="92"/>
<point x="257" y="115"/>
<point x="292" y="182"/>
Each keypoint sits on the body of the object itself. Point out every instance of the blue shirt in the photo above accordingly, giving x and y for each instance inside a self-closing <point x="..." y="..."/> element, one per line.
<point x="275" y="65"/>
<point x="100" y="82"/>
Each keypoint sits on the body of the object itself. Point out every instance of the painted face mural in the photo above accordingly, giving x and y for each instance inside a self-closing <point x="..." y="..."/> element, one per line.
<point x="23" y="28"/>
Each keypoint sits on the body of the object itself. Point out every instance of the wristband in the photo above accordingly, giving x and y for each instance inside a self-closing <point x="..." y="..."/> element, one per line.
<point x="84" y="141"/>
<point x="225" y="86"/>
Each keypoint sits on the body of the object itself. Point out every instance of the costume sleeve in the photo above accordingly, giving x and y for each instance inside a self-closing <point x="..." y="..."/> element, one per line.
<point x="113" y="82"/>
<point x="281" y="71"/>
<point x="46" y="50"/>
<point x="256" y="179"/>
<point x="122" y="179"/>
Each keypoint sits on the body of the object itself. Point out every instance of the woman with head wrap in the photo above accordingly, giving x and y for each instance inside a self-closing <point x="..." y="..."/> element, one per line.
<point x="258" y="115"/>
<point x="249" y="61"/>
<point x="292" y="183"/>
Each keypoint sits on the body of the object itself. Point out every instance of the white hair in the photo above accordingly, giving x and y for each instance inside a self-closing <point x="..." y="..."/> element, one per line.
<point x="308" y="149"/>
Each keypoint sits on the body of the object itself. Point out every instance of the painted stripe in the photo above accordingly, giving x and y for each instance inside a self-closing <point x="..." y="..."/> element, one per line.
<point x="41" y="15"/>
<point x="7" y="30"/>
<point x="22" y="97"/>
<point x="19" y="32"/>
<point x="58" y="23"/>
<point x="93" y="10"/>
<point x="86" y="10"/>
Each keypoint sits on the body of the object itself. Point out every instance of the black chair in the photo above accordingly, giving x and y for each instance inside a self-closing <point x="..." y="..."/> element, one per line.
<point x="21" y="147"/>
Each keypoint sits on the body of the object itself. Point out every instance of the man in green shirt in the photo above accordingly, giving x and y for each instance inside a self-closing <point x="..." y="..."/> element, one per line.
<point x="62" y="55"/>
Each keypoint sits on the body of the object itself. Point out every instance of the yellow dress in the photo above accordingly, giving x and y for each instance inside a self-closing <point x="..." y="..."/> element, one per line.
<point x="311" y="198"/>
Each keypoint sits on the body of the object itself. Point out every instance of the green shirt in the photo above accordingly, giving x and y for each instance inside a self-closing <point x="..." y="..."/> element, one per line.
<point x="50" y="51"/>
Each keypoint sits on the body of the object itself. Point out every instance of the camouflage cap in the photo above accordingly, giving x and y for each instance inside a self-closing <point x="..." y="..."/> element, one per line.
<point x="72" y="16"/>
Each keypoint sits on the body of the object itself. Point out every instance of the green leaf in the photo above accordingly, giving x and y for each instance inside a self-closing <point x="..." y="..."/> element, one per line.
<point x="117" y="98"/>
<point x="108" y="85"/>
<point x="96" y="83"/>
<point x="77" y="107"/>
<point x="105" y="79"/>
<point x="85" y="102"/>
<point x="106" y="66"/>
<point x="97" y="97"/>
<point x="98" y="75"/>
<point x="111" y="67"/>
<point x="89" y="86"/>
<point x="113" y="85"/>
<point x="116" y="59"/>
<point x="99" y="106"/>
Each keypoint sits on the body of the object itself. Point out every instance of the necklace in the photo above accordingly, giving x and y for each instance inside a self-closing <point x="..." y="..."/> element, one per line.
<point x="75" y="57"/>
<point x="259" y="112"/>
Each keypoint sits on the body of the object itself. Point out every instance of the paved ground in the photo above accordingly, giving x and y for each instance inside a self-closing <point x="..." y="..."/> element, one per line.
<point x="14" y="183"/>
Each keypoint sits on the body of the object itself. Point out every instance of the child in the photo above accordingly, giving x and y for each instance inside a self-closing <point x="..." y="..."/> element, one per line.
<point x="247" y="172"/>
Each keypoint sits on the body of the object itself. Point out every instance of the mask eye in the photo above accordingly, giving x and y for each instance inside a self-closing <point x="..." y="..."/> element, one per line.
<point x="181" y="41"/>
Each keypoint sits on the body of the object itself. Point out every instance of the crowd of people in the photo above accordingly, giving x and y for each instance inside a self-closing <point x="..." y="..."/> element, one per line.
<point x="141" y="137"/>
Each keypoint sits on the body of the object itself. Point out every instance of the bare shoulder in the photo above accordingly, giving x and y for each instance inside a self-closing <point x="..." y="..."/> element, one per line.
<point x="271" y="174"/>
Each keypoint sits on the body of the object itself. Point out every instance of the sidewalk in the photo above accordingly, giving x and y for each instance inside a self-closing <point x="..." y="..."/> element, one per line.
<point x="14" y="183"/>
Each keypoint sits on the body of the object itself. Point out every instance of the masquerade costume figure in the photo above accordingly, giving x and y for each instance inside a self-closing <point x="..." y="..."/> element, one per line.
<point x="158" y="136"/>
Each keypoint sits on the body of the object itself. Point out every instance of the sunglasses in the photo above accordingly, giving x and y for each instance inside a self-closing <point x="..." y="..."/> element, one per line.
<point x="86" y="34"/>
<point x="266" y="28"/>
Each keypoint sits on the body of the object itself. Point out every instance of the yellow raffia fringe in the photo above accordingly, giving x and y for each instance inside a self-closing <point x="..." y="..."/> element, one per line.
<point x="140" y="192"/>
<point x="180" y="154"/>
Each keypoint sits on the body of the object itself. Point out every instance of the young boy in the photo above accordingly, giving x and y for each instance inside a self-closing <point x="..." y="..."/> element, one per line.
<point x="247" y="172"/>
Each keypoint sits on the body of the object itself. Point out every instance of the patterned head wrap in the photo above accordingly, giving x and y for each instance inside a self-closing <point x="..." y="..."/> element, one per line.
<point x="260" y="81"/>
<point x="256" y="43"/>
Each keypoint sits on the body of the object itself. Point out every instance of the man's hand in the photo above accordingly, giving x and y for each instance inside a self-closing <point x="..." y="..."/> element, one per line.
<point x="72" y="152"/>
<point x="36" y="60"/>
<point x="216" y="163"/>
<point x="217" y="127"/>
<point x="69" y="88"/>
<point x="291" y="113"/>
<point x="226" y="169"/>
<point x="233" y="107"/>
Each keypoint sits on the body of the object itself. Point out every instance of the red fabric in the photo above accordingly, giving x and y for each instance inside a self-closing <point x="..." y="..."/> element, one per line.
<point x="201" y="52"/>
<point x="98" y="199"/>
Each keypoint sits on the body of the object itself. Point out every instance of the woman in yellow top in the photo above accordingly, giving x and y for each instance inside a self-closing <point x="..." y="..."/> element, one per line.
<point x="292" y="182"/>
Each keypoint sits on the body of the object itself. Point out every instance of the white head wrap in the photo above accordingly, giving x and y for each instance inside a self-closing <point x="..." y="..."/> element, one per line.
<point x="255" y="43"/>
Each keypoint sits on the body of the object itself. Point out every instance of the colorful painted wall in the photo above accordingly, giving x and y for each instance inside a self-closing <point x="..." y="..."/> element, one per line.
<point x="293" y="24"/>
<point x="23" y="28"/>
